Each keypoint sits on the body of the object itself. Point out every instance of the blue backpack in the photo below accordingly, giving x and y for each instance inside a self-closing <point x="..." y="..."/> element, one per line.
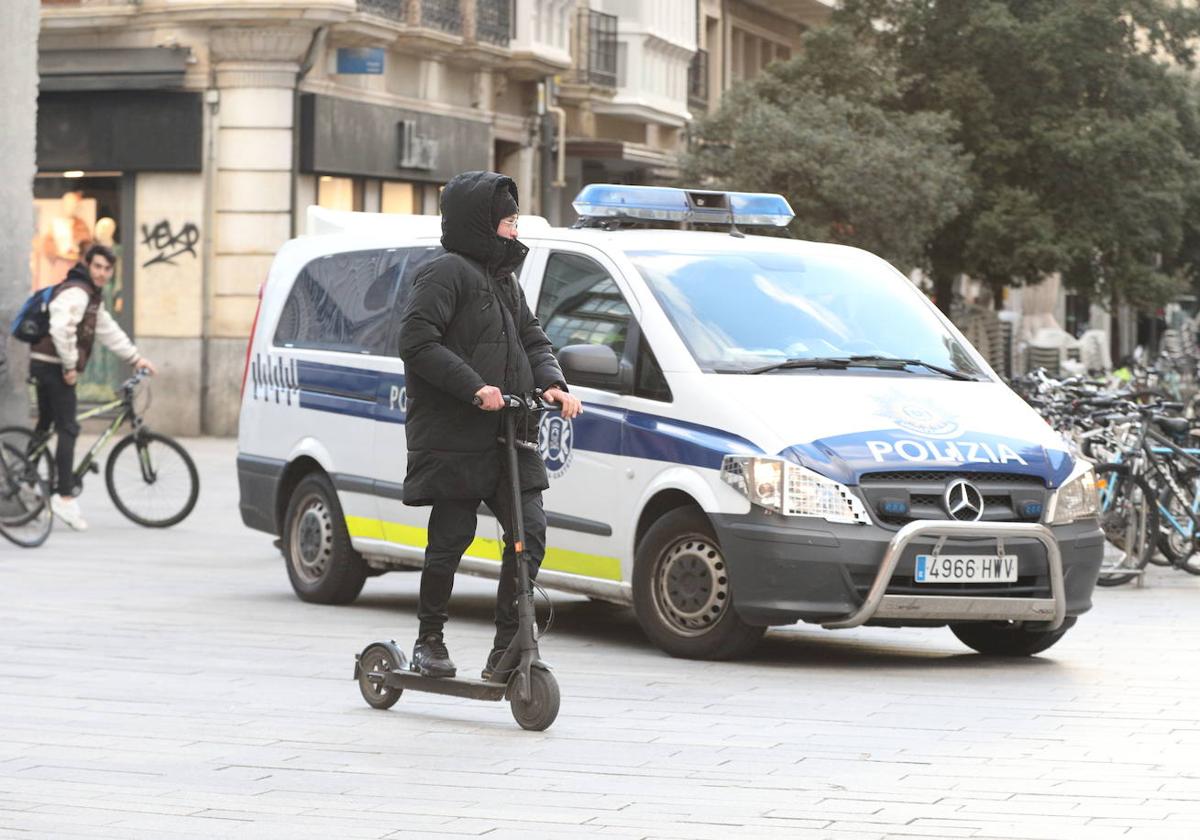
<point x="32" y="322"/>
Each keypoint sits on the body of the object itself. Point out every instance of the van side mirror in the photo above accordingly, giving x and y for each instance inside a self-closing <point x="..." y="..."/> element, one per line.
<point x="584" y="362"/>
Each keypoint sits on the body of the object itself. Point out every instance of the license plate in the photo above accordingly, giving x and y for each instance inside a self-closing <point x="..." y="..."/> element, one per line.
<point x="965" y="568"/>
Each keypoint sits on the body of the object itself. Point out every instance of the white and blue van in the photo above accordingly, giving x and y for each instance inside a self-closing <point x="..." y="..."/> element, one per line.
<point x="774" y="431"/>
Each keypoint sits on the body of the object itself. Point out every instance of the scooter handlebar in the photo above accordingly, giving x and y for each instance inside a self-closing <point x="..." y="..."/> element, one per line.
<point x="516" y="402"/>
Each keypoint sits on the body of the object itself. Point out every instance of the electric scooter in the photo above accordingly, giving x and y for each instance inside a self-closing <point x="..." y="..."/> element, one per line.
<point x="521" y="677"/>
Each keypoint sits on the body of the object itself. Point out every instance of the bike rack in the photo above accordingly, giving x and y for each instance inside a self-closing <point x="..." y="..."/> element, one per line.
<point x="1052" y="611"/>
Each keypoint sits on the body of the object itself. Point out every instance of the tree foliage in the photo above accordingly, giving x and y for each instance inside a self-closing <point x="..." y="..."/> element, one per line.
<point x="1080" y="120"/>
<point x="1005" y="139"/>
<point x="826" y="130"/>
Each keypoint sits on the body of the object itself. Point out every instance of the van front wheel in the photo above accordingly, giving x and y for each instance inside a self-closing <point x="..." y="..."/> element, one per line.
<point x="321" y="564"/>
<point x="681" y="592"/>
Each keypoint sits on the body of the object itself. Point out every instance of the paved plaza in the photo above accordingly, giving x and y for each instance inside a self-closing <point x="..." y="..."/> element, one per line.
<point x="162" y="684"/>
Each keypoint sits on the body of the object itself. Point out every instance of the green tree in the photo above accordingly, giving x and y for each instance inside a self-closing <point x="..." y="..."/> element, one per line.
<point x="1081" y="126"/>
<point x="827" y="130"/>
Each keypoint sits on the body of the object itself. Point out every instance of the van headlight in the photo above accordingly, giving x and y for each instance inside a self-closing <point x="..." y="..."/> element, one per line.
<point x="1078" y="498"/>
<point x="792" y="490"/>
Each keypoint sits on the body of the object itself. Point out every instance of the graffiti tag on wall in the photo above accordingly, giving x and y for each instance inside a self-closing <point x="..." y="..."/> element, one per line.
<point x="169" y="244"/>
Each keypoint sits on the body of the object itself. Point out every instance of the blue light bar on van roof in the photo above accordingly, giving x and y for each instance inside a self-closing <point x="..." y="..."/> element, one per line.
<point x="674" y="204"/>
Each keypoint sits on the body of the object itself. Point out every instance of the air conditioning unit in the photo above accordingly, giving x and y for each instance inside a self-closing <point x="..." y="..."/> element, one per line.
<point x="416" y="152"/>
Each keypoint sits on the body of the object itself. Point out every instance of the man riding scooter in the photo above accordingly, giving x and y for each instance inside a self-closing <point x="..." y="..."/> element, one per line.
<point x="467" y="337"/>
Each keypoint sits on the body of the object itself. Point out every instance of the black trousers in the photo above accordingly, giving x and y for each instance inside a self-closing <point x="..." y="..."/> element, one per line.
<point x="57" y="406"/>
<point x="451" y="530"/>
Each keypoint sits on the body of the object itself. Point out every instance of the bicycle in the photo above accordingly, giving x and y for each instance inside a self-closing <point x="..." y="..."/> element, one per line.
<point x="150" y="477"/>
<point x="25" y="516"/>
<point x="1165" y="472"/>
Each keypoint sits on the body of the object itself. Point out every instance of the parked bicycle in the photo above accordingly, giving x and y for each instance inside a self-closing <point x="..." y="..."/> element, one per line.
<point x="150" y="477"/>
<point x="1147" y="468"/>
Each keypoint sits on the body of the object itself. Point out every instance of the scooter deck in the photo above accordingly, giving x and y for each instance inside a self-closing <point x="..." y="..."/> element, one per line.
<point x="454" y="686"/>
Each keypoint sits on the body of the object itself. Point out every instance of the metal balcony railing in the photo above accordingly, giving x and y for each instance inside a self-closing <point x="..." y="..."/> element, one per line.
<point x="442" y="15"/>
<point x="67" y="3"/>
<point x="445" y="15"/>
<point x="596" y="61"/>
<point x="698" y="81"/>
<point x="494" y="21"/>
<point x="391" y="9"/>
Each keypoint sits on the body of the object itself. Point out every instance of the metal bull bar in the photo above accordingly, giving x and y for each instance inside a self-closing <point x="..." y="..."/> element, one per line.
<point x="1049" y="612"/>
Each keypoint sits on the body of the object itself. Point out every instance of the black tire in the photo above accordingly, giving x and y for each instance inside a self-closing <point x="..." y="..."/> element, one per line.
<point x="1175" y="547"/>
<point x="25" y="484"/>
<point x="541" y="710"/>
<point x="681" y="591"/>
<point x="379" y="659"/>
<point x="1005" y="638"/>
<point x="25" y="517"/>
<point x="142" y="489"/>
<point x="321" y="564"/>
<point x="1130" y="524"/>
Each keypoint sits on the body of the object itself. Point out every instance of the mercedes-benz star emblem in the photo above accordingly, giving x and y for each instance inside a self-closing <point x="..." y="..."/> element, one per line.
<point x="963" y="501"/>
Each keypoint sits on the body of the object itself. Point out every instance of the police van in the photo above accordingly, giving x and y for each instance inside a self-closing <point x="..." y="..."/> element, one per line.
<point x="775" y="431"/>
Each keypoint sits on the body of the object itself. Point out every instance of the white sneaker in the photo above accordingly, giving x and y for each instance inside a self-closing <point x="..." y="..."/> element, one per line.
<point x="68" y="512"/>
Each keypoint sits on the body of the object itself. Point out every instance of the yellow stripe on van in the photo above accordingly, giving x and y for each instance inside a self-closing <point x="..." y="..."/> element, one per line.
<point x="557" y="559"/>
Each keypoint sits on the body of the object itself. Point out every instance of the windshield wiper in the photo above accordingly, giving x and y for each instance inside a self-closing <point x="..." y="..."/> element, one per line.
<point x="900" y="364"/>
<point x="821" y="362"/>
<point x="843" y="362"/>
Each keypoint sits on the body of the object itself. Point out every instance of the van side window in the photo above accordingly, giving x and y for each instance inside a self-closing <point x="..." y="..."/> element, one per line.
<point x="580" y="304"/>
<point x="649" y="381"/>
<point x="350" y="302"/>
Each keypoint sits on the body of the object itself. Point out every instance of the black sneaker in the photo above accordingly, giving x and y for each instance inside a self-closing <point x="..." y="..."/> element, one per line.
<point x="430" y="657"/>
<point x="489" y="670"/>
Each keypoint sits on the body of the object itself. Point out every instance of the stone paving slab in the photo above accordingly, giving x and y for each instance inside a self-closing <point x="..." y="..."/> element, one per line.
<point x="160" y="684"/>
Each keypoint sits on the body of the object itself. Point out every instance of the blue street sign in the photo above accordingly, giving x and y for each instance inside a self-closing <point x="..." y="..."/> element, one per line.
<point x="360" y="60"/>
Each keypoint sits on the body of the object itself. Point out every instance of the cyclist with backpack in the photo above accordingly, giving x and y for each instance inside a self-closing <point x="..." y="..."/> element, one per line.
<point x="63" y="325"/>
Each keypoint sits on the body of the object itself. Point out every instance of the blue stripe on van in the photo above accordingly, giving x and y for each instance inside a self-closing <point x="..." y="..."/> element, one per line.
<point x="380" y="396"/>
<point x="355" y="392"/>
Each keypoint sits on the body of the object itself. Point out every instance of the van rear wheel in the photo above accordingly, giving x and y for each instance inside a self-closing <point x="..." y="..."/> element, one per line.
<point x="321" y="564"/>
<point x="681" y="591"/>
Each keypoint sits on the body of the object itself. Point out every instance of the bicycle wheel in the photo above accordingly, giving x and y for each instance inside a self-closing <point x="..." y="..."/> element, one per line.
<point x="1177" y="533"/>
<point x="26" y="440"/>
<point x="25" y="516"/>
<point x="1129" y="517"/>
<point x="152" y="480"/>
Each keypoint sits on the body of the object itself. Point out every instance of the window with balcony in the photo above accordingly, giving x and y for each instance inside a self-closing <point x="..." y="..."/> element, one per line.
<point x="494" y="21"/>
<point x="445" y="15"/>
<point x="598" y="33"/>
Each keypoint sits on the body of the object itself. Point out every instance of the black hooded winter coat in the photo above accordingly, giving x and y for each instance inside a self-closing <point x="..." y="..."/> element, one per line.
<point x="466" y="325"/>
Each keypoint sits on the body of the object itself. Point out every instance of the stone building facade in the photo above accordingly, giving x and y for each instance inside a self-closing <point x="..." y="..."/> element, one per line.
<point x="193" y="137"/>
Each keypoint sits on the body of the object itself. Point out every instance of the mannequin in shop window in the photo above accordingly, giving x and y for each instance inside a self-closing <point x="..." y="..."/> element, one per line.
<point x="64" y="233"/>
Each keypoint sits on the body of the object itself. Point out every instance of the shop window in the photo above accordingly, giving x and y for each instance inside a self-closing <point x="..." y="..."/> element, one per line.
<point x="336" y="193"/>
<point x="398" y="197"/>
<point x="581" y="304"/>
<point x="351" y="302"/>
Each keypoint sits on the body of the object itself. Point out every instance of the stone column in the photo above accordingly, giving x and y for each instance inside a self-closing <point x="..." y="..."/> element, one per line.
<point x="255" y="70"/>
<point x="18" y="92"/>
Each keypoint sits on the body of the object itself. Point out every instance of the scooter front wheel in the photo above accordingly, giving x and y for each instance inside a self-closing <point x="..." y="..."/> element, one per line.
<point x="376" y="662"/>
<point x="537" y="713"/>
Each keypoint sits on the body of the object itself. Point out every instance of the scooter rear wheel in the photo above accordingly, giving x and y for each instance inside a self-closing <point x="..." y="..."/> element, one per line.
<point x="378" y="660"/>
<point x="542" y="707"/>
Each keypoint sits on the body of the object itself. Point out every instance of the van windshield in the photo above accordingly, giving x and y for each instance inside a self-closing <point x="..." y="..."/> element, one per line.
<point x="747" y="311"/>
